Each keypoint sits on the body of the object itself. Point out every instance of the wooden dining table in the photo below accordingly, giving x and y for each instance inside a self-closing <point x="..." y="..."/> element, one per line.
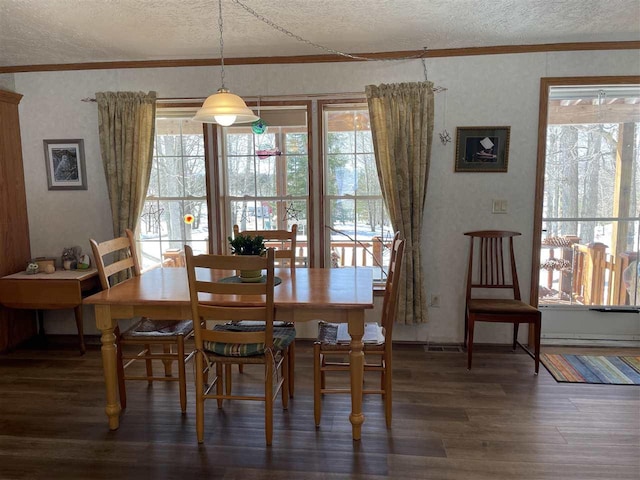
<point x="339" y="295"/>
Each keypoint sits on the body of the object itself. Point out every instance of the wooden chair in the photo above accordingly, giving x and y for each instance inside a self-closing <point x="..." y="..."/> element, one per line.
<point x="228" y="344"/>
<point x="492" y="265"/>
<point x="285" y="255"/>
<point x="328" y="344"/>
<point x="170" y="334"/>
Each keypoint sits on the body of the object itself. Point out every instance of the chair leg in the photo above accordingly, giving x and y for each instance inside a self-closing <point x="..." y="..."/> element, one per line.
<point x="166" y="349"/>
<point x="470" y="326"/>
<point x="122" y="389"/>
<point x="466" y="326"/>
<point x="149" y="364"/>
<point x="227" y="378"/>
<point x="199" y="398"/>
<point x="515" y="335"/>
<point x="218" y="381"/>
<point x="388" y="392"/>
<point x="317" y="384"/>
<point x="323" y="378"/>
<point x="292" y="366"/>
<point x="537" y="332"/>
<point x="268" y="397"/>
<point x="285" y="379"/>
<point x="241" y="368"/>
<point x="182" y="375"/>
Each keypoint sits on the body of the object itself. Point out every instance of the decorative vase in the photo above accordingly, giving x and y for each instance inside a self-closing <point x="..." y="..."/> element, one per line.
<point x="250" y="276"/>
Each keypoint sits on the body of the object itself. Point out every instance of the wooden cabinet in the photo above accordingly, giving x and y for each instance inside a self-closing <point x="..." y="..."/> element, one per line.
<point x="15" y="325"/>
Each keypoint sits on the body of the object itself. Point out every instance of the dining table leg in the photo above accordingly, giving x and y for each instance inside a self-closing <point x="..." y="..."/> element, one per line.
<point x="356" y="361"/>
<point x="107" y="325"/>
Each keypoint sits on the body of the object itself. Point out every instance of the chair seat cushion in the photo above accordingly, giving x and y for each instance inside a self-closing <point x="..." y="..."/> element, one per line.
<point x="282" y="338"/>
<point x="500" y="306"/>
<point x="253" y="323"/>
<point x="159" y="328"/>
<point x="328" y="337"/>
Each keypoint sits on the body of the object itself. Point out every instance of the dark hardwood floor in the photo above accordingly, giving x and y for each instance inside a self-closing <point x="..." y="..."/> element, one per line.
<point x="496" y="422"/>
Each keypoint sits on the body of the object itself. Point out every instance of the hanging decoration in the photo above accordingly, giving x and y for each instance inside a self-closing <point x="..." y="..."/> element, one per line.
<point x="268" y="152"/>
<point x="291" y="212"/>
<point x="445" y="137"/>
<point x="259" y="127"/>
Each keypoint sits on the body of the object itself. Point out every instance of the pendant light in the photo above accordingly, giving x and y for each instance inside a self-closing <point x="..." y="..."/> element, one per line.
<point x="223" y="107"/>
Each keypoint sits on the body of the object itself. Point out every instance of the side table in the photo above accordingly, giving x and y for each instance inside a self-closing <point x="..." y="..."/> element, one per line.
<point x="50" y="291"/>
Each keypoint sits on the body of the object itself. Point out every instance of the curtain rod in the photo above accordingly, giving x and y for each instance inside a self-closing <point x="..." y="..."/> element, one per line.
<point x="256" y="98"/>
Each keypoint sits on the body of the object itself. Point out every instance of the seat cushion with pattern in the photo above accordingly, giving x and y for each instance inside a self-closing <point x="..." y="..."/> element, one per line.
<point x="159" y="328"/>
<point x="253" y="323"/>
<point x="282" y="338"/>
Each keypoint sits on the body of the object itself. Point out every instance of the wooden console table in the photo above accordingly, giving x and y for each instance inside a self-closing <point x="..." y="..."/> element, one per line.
<point x="50" y="291"/>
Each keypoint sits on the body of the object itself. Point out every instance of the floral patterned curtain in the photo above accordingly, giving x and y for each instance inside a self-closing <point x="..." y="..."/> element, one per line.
<point x="126" y="122"/>
<point x="402" y="129"/>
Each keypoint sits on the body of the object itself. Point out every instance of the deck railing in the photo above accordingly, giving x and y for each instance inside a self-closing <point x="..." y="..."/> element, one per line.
<point x="586" y="274"/>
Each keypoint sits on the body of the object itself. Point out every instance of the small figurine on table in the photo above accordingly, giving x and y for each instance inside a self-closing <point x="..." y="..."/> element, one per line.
<point x="70" y="257"/>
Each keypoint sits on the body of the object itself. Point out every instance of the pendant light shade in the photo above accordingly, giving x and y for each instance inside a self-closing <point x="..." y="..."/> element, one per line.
<point x="225" y="108"/>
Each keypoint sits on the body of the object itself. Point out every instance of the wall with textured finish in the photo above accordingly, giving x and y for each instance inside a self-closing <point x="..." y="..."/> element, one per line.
<point x="7" y="82"/>
<point x="482" y="90"/>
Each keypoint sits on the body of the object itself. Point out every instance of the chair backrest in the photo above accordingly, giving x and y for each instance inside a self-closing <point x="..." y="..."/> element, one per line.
<point x="492" y="263"/>
<point x="125" y="257"/>
<point x="215" y="300"/>
<point x="392" y="287"/>
<point x="283" y="241"/>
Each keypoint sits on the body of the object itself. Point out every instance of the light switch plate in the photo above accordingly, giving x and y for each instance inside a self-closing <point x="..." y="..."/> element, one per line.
<point x="499" y="206"/>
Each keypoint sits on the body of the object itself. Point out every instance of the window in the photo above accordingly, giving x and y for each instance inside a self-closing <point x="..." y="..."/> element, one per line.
<point x="265" y="180"/>
<point x="175" y="209"/>
<point x="357" y="224"/>
<point x="266" y="175"/>
<point x="591" y="204"/>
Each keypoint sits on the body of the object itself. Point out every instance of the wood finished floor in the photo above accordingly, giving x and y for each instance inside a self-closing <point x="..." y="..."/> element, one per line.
<point x="498" y="421"/>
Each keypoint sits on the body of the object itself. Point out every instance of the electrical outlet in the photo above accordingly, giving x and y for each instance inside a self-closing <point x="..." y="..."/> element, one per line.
<point x="435" y="300"/>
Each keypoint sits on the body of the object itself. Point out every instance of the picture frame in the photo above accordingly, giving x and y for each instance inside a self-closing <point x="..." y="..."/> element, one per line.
<point x="65" y="164"/>
<point x="482" y="149"/>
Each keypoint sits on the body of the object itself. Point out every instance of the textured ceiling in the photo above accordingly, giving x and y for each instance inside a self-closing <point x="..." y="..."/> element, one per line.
<point x="74" y="31"/>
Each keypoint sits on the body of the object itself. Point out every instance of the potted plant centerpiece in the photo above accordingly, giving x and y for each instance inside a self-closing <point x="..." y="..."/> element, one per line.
<point x="248" y="245"/>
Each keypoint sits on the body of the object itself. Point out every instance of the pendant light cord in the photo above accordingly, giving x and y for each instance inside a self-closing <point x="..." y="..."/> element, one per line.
<point x="221" y="43"/>
<point x="275" y="26"/>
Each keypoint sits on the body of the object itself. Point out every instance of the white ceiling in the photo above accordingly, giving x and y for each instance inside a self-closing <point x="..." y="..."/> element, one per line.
<point x="76" y="31"/>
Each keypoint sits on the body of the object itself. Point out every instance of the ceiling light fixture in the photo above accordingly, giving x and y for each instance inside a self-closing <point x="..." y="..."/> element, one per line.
<point x="223" y="107"/>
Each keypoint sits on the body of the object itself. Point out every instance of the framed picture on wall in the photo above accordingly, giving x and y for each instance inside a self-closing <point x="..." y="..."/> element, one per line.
<point x="482" y="149"/>
<point x="65" y="164"/>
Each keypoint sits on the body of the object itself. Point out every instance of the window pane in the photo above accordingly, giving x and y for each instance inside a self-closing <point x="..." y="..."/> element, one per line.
<point x="580" y="173"/>
<point x="266" y="177"/>
<point x="192" y="138"/>
<point x="239" y="144"/>
<point x="297" y="175"/>
<point x="296" y="143"/>
<point x="194" y="177"/>
<point x="154" y="187"/>
<point x="340" y="142"/>
<point x="168" y="137"/>
<point x="241" y="176"/>
<point x="342" y="174"/>
<point x="368" y="183"/>
<point x="170" y="177"/>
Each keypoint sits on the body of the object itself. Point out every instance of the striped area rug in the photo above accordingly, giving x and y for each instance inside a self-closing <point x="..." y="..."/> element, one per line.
<point x="593" y="369"/>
